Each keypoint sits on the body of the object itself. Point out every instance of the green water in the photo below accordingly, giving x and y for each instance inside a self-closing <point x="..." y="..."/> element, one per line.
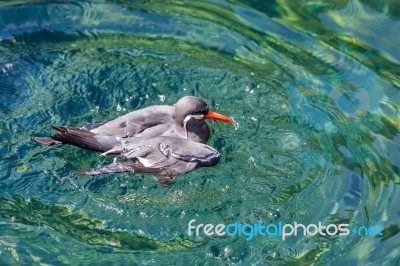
<point x="313" y="86"/>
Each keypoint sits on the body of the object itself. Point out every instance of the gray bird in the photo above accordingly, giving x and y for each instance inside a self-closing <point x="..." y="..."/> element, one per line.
<point x="161" y="139"/>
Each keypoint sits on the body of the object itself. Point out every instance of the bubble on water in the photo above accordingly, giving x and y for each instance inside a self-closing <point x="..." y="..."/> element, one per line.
<point x="236" y="125"/>
<point x="224" y="189"/>
<point x="229" y="252"/>
<point x="161" y="97"/>
<point x="119" y="107"/>
<point x="279" y="253"/>
<point x="252" y="160"/>
<point x="7" y="67"/>
<point x="154" y="84"/>
<point x="96" y="109"/>
<point x="111" y="207"/>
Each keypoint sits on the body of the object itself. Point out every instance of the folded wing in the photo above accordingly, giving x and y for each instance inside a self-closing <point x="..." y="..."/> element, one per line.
<point x="173" y="156"/>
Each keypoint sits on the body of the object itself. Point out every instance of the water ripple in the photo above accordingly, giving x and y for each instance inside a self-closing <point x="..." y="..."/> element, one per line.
<point x="313" y="88"/>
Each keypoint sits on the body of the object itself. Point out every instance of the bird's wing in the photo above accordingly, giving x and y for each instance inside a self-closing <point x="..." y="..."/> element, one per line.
<point x="157" y="117"/>
<point x="166" y="156"/>
<point x="114" y="168"/>
<point x="172" y="155"/>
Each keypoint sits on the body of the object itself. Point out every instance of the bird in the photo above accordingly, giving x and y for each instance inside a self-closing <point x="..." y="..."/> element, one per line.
<point x="184" y="120"/>
<point x="164" y="156"/>
<point x="160" y="139"/>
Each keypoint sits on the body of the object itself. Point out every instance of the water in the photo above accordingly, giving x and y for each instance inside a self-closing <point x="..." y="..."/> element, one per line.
<point x="312" y="85"/>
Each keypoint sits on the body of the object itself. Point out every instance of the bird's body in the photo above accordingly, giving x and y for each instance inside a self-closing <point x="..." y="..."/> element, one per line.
<point x="162" y="139"/>
<point x="150" y="122"/>
<point x="165" y="156"/>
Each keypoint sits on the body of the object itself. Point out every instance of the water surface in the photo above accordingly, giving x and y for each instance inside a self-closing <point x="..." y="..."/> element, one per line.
<point x="313" y="86"/>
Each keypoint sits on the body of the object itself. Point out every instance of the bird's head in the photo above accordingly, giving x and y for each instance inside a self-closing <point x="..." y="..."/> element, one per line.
<point x="190" y="107"/>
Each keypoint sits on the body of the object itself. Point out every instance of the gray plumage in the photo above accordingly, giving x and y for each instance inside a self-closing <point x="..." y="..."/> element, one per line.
<point x="166" y="156"/>
<point x="161" y="139"/>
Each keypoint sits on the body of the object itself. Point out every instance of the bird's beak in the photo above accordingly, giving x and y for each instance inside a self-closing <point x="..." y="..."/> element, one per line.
<point x="215" y="116"/>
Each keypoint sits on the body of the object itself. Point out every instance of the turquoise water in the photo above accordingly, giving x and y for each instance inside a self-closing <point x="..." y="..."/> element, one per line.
<point x="313" y="86"/>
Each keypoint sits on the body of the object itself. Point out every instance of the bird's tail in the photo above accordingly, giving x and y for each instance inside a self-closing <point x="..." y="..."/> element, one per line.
<point x="79" y="137"/>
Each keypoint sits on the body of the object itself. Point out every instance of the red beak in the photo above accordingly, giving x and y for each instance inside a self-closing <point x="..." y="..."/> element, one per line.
<point x="215" y="116"/>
